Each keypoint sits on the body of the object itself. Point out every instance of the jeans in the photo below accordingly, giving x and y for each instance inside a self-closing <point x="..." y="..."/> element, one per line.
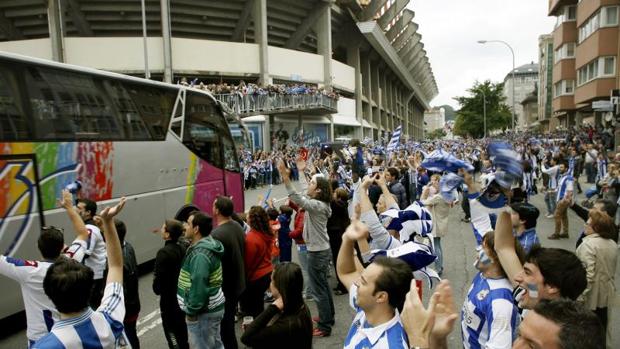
<point x="228" y="322"/>
<point x="550" y="202"/>
<point x="204" y="333"/>
<point x="302" y="253"/>
<point x="318" y="270"/>
<point x="439" y="253"/>
<point x="590" y="172"/>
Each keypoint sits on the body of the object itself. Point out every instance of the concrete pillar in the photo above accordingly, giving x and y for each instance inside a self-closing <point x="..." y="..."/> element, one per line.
<point x="167" y="37"/>
<point x="267" y="132"/>
<point x="353" y="59"/>
<point x="54" y="15"/>
<point x="323" y="30"/>
<point x="260" y="37"/>
<point x="367" y="77"/>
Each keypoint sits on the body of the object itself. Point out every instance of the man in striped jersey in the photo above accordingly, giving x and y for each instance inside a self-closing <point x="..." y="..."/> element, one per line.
<point x="377" y="293"/>
<point x="489" y="318"/>
<point x="523" y="219"/>
<point x="551" y="185"/>
<point x="564" y="198"/>
<point x="68" y="284"/>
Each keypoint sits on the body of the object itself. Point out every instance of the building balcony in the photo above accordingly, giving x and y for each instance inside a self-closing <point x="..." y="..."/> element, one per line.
<point x="586" y="9"/>
<point x="563" y="103"/>
<point x="248" y="105"/>
<point x="564" y="70"/>
<point x="595" y="89"/>
<point x="556" y="5"/>
<point x="565" y="32"/>
<point x="603" y="42"/>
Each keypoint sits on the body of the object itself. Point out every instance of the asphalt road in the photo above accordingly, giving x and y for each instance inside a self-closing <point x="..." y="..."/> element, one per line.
<point x="459" y="254"/>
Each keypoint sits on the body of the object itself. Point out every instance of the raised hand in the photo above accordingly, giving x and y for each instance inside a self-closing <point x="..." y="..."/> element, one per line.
<point x="66" y="199"/>
<point x="110" y="212"/>
<point x="380" y="179"/>
<point x="416" y="319"/>
<point x="444" y="313"/>
<point x="356" y="231"/>
<point x="367" y="181"/>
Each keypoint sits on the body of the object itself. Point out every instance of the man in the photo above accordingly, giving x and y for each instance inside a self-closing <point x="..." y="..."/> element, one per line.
<point x="377" y="294"/>
<point x="396" y="188"/>
<point x="95" y="254"/>
<point x="551" y="185"/>
<point x="165" y="278"/>
<point x="412" y="175"/>
<point x="548" y="273"/>
<point x="564" y="199"/>
<point x="575" y="167"/>
<point x="131" y="289"/>
<point x="590" y="162"/>
<point x="231" y="235"/>
<point x="199" y="290"/>
<point x="523" y="217"/>
<point x="68" y="284"/>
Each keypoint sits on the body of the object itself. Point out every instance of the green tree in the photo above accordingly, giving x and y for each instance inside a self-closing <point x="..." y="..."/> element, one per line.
<point x="436" y="134"/>
<point x="469" y="119"/>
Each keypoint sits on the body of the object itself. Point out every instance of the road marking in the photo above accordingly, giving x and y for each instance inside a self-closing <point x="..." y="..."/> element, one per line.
<point x="151" y="326"/>
<point x="144" y="319"/>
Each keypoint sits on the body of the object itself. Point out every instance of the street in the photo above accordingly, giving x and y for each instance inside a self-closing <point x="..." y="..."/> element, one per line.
<point x="459" y="254"/>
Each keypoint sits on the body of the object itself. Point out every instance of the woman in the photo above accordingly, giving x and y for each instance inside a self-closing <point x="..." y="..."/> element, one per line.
<point x="599" y="253"/>
<point x="257" y="259"/>
<point x="336" y="225"/>
<point x="287" y="320"/>
<point x="440" y="210"/>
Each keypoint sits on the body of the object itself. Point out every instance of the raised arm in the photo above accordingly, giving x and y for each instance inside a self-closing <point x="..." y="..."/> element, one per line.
<point x="112" y="243"/>
<point x="381" y="238"/>
<point x="346" y="266"/>
<point x="387" y="195"/>
<point x="66" y="201"/>
<point x="505" y="247"/>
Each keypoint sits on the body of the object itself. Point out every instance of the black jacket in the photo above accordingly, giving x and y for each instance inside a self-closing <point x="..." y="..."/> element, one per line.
<point x="130" y="280"/>
<point x="166" y="275"/>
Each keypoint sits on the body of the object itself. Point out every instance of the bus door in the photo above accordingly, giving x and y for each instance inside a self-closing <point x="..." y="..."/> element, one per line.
<point x="20" y="200"/>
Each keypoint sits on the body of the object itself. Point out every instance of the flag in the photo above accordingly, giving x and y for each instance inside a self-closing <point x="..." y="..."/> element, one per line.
<point x="395" y="139"/>
<point x="415" y="254"/>
<point x="415" y="219"/>
<point x="440" y="161"/>
<point x="447" y="185"/>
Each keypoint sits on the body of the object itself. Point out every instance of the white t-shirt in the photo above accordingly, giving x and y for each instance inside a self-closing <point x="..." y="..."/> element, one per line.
<point x="40" y="311"/>
<point x="95" y="254"/>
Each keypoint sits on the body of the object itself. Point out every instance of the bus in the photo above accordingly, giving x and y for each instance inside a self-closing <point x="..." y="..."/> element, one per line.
<point x="167" y="148"/>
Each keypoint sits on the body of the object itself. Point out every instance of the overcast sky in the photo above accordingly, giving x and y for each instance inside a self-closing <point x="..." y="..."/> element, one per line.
<point x="450" y="30"/>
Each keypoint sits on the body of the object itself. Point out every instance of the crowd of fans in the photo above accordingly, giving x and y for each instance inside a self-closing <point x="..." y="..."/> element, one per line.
<point x="249" y="89"/>
<point x="376" y="213"/>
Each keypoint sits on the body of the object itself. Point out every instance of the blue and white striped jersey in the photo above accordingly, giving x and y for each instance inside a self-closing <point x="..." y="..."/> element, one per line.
<point x="102" y="328"/>
<point x="489" y="318"/>
<point x="389" y="335"/>
<point x="528" y="239"/>
<point x="565" y="184"/>
<point x="40" y="312"/>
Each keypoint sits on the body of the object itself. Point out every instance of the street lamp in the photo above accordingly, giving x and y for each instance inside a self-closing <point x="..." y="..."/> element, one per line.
<point x="512" y="73"/>
<point x="484" y="112"/>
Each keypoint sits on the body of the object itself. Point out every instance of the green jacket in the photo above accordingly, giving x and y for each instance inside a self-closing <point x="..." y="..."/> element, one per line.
<point x="199" y="289"/>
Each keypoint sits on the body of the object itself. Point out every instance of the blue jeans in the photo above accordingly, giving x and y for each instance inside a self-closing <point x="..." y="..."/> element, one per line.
<point x="204" y="333"/>
<point x="550" y="201"/>
<point x="318" y="271"/>
<point x="439" y="254"/>
<point x="302" y="253"/>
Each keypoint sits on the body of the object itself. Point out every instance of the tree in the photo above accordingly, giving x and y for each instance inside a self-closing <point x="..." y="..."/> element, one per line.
<point x="469" y="119"/>
<point x="436" y="134"/>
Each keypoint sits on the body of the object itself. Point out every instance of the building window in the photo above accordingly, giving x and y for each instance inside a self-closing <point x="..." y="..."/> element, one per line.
<point x="601" y="67"/>
<point x="564" y="88"/>
<point x="566" y="51"/>
<point x="605" y="17"/>
<point x="567" y="14"/>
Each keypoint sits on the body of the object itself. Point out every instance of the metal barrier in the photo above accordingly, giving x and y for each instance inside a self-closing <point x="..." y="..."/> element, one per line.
<point x="247" y="104"/>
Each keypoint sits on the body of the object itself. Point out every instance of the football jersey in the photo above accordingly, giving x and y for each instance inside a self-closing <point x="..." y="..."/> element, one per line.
<point x="96" y="256"/>
<point x="489" y="318"/>
<point x="102" y="328"/>
<point x="40" y="311"/>
<point x="388" y="335"/>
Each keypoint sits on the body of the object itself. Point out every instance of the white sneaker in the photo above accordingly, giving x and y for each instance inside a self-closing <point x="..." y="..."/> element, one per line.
<point x="549" y="216"/>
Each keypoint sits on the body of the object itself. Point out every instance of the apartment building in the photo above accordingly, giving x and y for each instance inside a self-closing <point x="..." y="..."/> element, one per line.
<point x="546" y="121"/>
<point x="525" y="81"/>
<point x="585" y="42"/>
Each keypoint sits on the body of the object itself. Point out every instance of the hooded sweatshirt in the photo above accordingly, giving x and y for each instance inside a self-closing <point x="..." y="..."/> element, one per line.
<point x="200" y="280"/>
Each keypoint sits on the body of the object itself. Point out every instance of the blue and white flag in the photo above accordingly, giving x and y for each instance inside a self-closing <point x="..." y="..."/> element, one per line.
<point x="413" y="220"/>
<point x="440" y="161"/>
<point x="447" y="185"/>
<point x="395" y="140"/>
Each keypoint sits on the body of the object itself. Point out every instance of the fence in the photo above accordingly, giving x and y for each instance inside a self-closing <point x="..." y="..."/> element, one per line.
<point x="246" y="104"/>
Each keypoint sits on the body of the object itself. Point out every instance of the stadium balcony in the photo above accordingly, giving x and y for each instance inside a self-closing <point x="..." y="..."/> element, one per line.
<point x="249" y="105"/>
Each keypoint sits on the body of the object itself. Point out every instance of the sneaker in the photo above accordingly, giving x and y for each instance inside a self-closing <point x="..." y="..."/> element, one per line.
<point x="320" y="333"/>
<point x="549" y="216"/>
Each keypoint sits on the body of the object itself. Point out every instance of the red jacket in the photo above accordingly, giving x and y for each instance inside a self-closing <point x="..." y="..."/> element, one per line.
<point x="257" y="255"/>
<point x="298" y="226"/>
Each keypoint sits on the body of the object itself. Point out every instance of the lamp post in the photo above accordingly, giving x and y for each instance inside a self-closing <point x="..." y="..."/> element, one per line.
<point x="484" y="112"/>
<point x="512" y="73"/>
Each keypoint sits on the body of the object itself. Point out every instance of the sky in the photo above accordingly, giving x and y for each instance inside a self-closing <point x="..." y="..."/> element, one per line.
<point x="450" y="30"/>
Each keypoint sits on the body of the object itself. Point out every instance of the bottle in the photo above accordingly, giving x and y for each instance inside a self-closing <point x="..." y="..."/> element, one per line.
<point x="74" y="187"/>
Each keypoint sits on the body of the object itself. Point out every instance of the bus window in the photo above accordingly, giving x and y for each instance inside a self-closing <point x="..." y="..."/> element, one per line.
<point x="205" y="133"/>
<point x="40" y="103"/>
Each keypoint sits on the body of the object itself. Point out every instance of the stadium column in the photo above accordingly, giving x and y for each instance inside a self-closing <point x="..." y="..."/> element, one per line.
<point x="408" y="118"/>
<point x="166" y="36"/>
<point x="368" y="83"/>
<point x="54" y="15"/>
<point x="353" y="59"/>
<point x="261" y="38"/>
<point x="323" y="30"/>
